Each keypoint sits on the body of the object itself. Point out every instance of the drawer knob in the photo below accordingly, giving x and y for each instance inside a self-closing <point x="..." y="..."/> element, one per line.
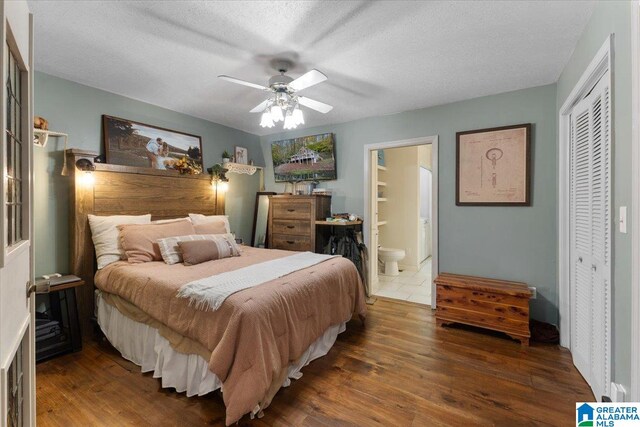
<point x="291" y="226"/>
<point x="291" y="210"/>
<point x="291" y="242"/>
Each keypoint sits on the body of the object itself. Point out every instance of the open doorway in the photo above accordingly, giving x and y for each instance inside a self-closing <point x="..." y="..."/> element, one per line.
<point x="401" y="219"/>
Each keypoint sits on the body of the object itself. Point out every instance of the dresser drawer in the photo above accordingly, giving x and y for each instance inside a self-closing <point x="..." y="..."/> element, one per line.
<point x="291" y="243"/>
<point x="291" y="210"/>
<point x="281" y="226"/>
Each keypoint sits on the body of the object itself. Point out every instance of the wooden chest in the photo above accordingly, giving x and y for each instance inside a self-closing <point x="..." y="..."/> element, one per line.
<point x="493" y="304"/>
<point x="292" y="221"/>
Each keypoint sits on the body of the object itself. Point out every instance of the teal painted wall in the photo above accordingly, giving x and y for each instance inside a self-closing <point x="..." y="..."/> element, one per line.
<point x="77" y="110"/>
<point x="514" y="243"/>
<point x="613" y="17"/>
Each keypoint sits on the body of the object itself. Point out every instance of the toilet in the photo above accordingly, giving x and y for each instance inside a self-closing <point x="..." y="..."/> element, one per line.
<point x="390" y="258"/>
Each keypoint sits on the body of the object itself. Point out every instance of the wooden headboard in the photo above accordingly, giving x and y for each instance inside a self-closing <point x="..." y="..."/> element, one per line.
<point x="125" y="190"/>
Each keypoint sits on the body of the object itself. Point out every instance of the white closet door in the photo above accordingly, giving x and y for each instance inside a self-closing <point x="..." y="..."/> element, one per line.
<point x="581" y="239"/>
<point x="591" y="237"/>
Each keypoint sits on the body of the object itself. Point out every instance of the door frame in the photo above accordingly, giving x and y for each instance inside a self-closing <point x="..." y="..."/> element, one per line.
<point x="601" y="63"/>
<point x="635" y="200"/>
<point x="373" y="252"/>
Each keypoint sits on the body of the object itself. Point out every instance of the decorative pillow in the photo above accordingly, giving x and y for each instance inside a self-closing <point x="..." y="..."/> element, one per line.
<point x="198" y="251"/>
<point x="140" y="241"/>
<point x="104" y="233"/>
<point x="170" y="250"/>
<point x="198" y="219"/>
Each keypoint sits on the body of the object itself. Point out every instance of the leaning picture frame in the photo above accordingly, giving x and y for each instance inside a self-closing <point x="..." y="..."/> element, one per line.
<point x="493" y="166"/>
<point x="131" y="143"/>
<point x="241" y="155"/>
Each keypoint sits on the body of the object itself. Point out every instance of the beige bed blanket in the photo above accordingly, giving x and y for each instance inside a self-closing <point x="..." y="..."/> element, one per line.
<point x="257" y="332"/>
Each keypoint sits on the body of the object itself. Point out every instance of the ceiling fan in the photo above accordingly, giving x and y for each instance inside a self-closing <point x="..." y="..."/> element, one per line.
<point x="284" y="102"/>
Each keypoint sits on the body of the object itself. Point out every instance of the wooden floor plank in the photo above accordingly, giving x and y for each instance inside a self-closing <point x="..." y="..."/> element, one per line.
<point x="397" y="370"/>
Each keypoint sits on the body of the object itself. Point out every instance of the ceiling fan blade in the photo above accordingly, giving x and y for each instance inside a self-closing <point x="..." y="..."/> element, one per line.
<point x="315" y="105"/>
<point x="242" y="82"/>
<point x="308" y="79"/>
<point x="261" y="107"/>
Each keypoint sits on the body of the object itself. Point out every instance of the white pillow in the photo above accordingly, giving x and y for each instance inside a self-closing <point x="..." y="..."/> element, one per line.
<point x="104" y="233"/>
<point x="205" y="219"/>
<point x="166" y="221"/>
<point x="170" y="250"/>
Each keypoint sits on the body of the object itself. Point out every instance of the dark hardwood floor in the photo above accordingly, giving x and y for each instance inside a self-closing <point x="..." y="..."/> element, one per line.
<point x="399" y="370"/>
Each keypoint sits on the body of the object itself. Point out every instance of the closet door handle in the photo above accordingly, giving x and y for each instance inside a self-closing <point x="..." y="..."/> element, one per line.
<point x="593" y="267"/>
<point x="580" y="260"/>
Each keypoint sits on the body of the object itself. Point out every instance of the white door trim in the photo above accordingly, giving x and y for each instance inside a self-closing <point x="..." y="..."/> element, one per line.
<point x="373" y="253"/>
<point x="596" y="69"/>
<point x="635" y="201"/>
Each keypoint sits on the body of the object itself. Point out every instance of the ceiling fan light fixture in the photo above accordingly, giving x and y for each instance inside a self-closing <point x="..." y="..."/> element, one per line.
<point x="289" y="122"/>
<point x="298" y="117"/>
<point x="266" y="121"/>
<point x="276" y="113"/>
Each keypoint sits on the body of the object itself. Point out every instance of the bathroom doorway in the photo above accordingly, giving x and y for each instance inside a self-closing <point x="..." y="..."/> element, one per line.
<point x="401" y="183"/>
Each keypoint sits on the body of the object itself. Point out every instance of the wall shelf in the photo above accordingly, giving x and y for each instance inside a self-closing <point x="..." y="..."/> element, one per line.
<point x="381" y="223"/>
<point x="382" y="199"/>
<point x="241" y="168"/>
<point x="382" y="183"/>
<point x="41" y="137"/>
<point x="382" y="168"/>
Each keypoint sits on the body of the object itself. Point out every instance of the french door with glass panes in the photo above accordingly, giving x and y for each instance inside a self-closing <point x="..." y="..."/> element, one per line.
<point x="590" y="211"/>
<point x="17" y="346"/>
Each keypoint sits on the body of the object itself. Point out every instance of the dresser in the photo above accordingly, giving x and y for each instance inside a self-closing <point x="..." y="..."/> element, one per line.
<point x="292" y="221"/>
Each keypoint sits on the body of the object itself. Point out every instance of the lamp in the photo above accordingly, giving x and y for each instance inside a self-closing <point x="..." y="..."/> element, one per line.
<point x="298" y="118"/>
<point x="276" y="113"/>
<point x="87" y="167"/>
<point x="267" y="120"/>
<point x="283" y="107"/>
<point x="219" y="181"/>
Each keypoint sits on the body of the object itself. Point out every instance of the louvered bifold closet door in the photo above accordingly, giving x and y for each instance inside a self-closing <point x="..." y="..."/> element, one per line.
<point x="591" y="237"/>
<point x="601" y="238"/>
<point x="581" y="239"/>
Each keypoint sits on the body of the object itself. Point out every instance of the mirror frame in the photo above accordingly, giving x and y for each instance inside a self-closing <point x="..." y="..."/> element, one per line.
<point x="255" y="215"/>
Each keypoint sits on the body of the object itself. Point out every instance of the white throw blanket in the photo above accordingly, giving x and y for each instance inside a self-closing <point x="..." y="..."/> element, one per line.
<point x="210" y="292"/>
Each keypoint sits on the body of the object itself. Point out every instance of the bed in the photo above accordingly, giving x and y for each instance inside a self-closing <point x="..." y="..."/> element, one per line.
<point x="254" y="343"/>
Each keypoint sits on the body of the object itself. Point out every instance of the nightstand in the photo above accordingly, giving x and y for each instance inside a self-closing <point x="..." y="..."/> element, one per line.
<point x="59" y="331"/>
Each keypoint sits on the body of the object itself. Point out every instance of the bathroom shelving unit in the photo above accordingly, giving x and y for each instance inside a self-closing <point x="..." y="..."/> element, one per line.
<point x="380" y="186"/>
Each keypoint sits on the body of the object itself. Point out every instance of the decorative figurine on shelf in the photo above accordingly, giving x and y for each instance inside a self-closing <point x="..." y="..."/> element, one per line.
<point x="40" y="123"/>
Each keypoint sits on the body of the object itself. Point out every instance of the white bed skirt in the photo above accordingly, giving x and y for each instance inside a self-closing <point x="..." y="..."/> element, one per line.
<point x="144" y="346"/>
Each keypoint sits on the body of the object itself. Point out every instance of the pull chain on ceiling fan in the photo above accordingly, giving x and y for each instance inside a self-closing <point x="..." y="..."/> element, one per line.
<point x="284" y="103"/>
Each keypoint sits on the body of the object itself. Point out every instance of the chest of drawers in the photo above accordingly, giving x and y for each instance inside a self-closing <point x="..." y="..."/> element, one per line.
<point x="292" y="221"/>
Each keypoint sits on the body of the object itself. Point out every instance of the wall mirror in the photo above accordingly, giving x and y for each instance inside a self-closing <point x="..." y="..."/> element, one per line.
<point x="260" y="217"/>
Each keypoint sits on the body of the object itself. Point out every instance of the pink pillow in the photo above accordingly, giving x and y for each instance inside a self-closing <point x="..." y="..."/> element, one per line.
<point x="213" y="227"/>
<point x="139" y="241"/>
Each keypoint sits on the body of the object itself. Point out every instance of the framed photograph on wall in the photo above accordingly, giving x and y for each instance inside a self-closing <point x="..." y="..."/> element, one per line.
<point x="241" y="155"/>
<point x="493" y="166"/>
<point x="132" y="143"/>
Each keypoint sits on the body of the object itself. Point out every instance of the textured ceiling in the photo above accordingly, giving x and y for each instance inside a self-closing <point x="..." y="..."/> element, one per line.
<point x="381" y="57"/>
